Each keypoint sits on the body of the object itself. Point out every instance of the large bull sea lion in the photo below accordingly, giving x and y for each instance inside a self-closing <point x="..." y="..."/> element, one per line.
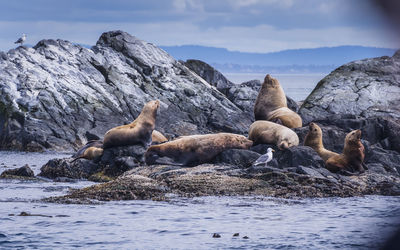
<point x="265" y="132"/>
<point x="137" y="132"/>
<point x="352" y="158"/>
<point x="194" y="149"/>
<point x="314" y="140"/>
<point x="271" y="105"/>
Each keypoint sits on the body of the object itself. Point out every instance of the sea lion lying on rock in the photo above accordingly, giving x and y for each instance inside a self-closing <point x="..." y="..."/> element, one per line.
<point x="137" y="132"/>
<point x="314" y="140"/>
<point x="352" y="158"/>
<point x="194" y="149"/>
<point x="265" y="132"/>
<point x="271" y="105"/>
<point x="90" y="151"/>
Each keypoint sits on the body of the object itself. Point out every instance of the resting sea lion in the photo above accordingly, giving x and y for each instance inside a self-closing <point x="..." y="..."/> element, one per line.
<point x="195" y="149"/>
<point x="157" y="137"/>
<point x="137" y="132"/>
<point x="90" y="151"/>
<point x="271" y="105"/>
<point x="314" y="140"/>
<point x="265" y="132"/>
<point x="352" y="158"/>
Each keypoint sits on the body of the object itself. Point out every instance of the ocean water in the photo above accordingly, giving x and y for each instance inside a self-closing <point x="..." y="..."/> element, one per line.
<point x="182" y="223"/>
<point x="296" y="86"/>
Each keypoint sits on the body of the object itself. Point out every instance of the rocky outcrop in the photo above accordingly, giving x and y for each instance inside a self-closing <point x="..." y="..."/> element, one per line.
<point x="294" y="173"/>
<point x="57" y="95"/>
<point x="365" y="88"/>
<point x="208" y="73"/>
<point x="114" y="162"/>
<point x="24" y="172"/>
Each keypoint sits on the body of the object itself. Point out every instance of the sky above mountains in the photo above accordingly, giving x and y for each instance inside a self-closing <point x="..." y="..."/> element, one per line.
<point x="238" y="25"/>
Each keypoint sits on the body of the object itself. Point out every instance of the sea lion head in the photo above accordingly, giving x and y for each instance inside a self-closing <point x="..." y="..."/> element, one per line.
<point x="314" y="129"/>
<point x="246" y="143"/>
<point x="270" y="82"/>
<point x="151" y="107"/>
<point x="288" y="142"/>
<point x="354" y="136"/>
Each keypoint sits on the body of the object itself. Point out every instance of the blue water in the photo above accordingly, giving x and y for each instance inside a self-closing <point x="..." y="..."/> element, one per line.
<point x="346" y="223"/>
<point x="296" y="86"/>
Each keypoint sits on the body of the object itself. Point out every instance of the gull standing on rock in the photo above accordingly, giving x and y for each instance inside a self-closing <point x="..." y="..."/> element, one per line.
<point x="21" y="40"/>
<point x="265" y="158"/>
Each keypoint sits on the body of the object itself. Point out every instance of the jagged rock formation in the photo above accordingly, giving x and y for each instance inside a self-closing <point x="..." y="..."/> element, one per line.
<point x="57" y="95"/>
<point x="208" y="73"/>
<point x="366" y="88"/>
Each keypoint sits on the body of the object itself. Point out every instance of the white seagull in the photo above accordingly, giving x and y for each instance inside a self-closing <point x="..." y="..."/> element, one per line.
<point x="265" y="158"/>
<point x="21" y="40"/>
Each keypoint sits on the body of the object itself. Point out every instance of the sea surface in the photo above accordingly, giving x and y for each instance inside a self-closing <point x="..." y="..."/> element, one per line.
<point x="182" y="223"/>
<point x="296" y="86"/>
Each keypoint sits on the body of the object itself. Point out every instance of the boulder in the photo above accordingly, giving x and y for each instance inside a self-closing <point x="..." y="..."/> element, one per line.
<point x="24" y="171"/>
<point x="58" y="95"/>
<point x="365" y="88"/>
<point x="211" y="75"/>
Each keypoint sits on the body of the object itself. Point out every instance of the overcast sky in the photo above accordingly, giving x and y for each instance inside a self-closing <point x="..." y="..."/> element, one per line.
<point x="240" y="25"/>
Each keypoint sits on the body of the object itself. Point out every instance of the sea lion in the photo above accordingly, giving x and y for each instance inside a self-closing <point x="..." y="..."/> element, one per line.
<point x="271" y="105"/>
<point x="265" y="132"/>
<point x="90" y="151"/>
<point x="157" y="137"/>
<point x="137" y="132"/>
<point x="314" y="140"/>
<point x="352" y="158"/>
<point x="194" y="149"/>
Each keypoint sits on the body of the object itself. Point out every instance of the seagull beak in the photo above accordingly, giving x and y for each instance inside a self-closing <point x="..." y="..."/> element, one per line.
<point x="273" y="150"/>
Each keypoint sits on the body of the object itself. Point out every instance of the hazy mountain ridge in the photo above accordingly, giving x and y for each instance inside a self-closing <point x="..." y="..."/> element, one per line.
<point x="322" y="59"/>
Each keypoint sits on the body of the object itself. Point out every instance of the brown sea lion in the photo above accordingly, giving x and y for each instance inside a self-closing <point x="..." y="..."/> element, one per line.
<point x="194" y="149"/>
<point x="90" y="151"/>
<point x="352" y="158"/>
<point x="271" y="105"/>
<point x="157" y="137"/>
<point x="265" y="132"/>
<point x="137" y="132"/>
<point x="314" y="140"/>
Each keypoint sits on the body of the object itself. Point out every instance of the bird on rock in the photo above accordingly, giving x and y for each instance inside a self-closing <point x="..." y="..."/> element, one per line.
<point x="21" y="40"/>
<point x="265" y="158"/>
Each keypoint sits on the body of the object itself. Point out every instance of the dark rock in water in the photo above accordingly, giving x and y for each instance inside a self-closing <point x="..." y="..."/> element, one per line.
<point x="79" y="169"/>
<point x="366" y="88"/>
<point x="58" y="95"/>
<point x="24" y="171"/>
<point x="238" y="157"/>
<point x="215" y="235"/>
<point x="114" y="162"/>
<point x="208" y="73"/>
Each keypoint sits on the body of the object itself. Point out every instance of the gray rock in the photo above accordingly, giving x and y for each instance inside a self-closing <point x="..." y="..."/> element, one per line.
<point x="366" y="88"/>
<point x="309" y="171"/>
<point x="238" y="157"/>
<point x="58" y="95"/>
<point x="211" y="75"/>
<point x="79" y="169"/>
<point x="24" y="171"/>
